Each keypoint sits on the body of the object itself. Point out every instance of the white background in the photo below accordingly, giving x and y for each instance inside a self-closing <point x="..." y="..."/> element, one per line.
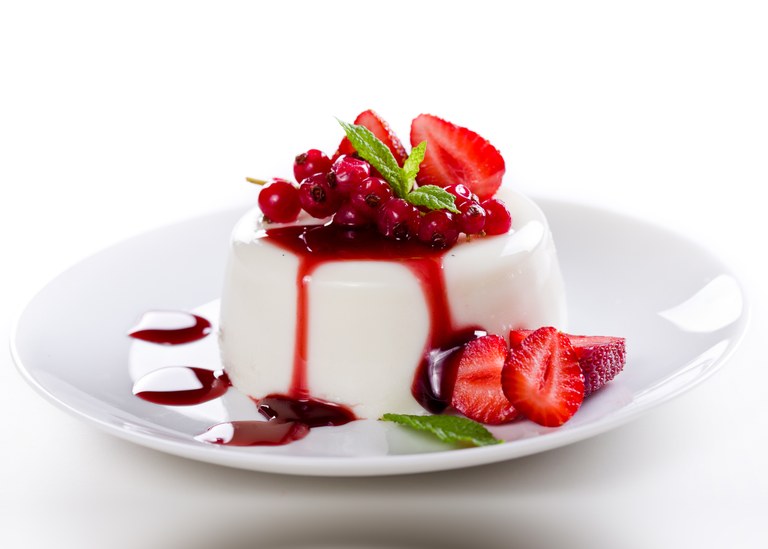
<point x="119" y="117"/>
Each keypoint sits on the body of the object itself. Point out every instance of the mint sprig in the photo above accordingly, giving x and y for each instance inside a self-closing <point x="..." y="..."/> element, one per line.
<point x="451" y="429"/>
<point x="402" y="180"/>
<point x="412" y="163"/>
<point x="378" y="155"/>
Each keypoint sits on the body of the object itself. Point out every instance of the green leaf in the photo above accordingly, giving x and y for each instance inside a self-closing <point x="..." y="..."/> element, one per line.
<point x="412" y="163"/>
<point x="433" y="197"/>
<point x="451" y="429"/>
<point x="370" y="148"/>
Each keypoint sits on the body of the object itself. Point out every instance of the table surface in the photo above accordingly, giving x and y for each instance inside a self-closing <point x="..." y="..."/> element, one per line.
<point x="117" y="118"/>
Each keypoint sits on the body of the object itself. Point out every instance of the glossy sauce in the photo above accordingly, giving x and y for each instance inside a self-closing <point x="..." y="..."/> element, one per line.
<point x="170" y="327"/>
<point x="181" y="385"/>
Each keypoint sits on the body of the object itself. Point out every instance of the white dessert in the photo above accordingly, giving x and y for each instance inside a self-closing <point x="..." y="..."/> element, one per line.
<point x="368" y="321"/>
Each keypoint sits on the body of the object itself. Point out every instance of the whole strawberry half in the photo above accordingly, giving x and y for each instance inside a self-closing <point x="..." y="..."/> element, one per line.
<point x="542" y="378"/>
<point x="477" y="390"/>
<point x="601" y="358"/>
<point x="380" y="129"/>
<point x="456" y="155"/>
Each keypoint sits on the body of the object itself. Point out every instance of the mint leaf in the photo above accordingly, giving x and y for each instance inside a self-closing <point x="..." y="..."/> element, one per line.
<point x="378" y="155"/>
<point x="433" y="197"/>
<point x="412" y="163"/>
<point x="452" y="429"/>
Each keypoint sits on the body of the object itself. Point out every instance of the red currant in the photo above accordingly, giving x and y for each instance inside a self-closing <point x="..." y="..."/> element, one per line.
<point x="371" y="195"/>
<point x="498" y="220"/>
<point x="350" y="173"/>
<point x="279" y="201"/>
<point x="349" y="216"/>
<point x="438" y="229"/>
<point x="398" y="220"/>
<point x="472" y="217"/>
<point x="462" y="193"/>
<point x="317" y="197"/>
<point x="309" y="163"/>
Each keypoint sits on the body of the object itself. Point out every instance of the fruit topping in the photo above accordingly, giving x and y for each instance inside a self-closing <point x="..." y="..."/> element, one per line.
<point x="471" y="217"/>
<point x="477" y="391"/>
<point x="601" y="358"/>
<point x="542" y="378"/>
<point x="398" y="220"/>
<point x="349" y="173"/>
<point x="371" y="195"/>
<point x="350" y="217"/>
<point x="371" y="184"/>
<point x="309" y="163"/>
<point x="381" y="130"/>
<point x="438" y="229"/>
<point x="497" y="217"/>
<point x="279" y="200"/>
<point x="317" y="197"/>
<point x="457" y="155"/>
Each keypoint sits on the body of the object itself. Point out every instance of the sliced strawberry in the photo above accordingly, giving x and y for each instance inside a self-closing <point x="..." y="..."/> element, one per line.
<point x="456" y="155"/>
<point x="542" y="378"/>
<point x="477" y="391"/>
<point x="601" y="358"/>
<point x="380" y="129"/>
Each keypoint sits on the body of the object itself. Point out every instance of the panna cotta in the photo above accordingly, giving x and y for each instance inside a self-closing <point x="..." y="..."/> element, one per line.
<point x="316" y="311"/>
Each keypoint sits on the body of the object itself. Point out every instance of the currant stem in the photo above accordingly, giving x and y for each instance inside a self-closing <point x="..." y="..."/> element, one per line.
<point x="256" y="181"/>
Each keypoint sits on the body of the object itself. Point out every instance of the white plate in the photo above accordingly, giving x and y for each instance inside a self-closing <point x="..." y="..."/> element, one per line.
<point x="679" y="307"/>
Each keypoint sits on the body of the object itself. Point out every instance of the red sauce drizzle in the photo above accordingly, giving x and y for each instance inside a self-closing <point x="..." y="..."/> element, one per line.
<point x="319" y="244"/>
<point x="254" y="433"/>
<point x="181" y="385"/>
<point x="312" y="412"/>
<point x="170" y="327"/>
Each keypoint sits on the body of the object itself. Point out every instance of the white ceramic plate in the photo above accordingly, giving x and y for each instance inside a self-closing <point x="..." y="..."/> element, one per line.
<point x="679" y="307"/>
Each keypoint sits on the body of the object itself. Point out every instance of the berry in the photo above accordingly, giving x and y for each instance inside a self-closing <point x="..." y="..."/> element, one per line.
<point x="462" y="193"/>
<point x="349" y="173"/>
<point x="472" y="217"/>
<point x="279" y="201"/>
<point x="350" y="217"/>
<point x="371" y="195"/>
<point x="317" y="197"/>
<point x="477" y="390"/>
<point x="398" y="220"/>
<point x="309" y="163"/>
<point x="438" y="229"/>
<point x="498" y="220"/>
<point x="542" y="378"/>
<point x="601" y="358"/>
<point x="380" y="129"/>
<point x="456" y="155"/>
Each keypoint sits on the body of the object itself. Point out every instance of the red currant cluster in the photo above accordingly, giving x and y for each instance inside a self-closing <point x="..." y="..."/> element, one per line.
<point x="350" y="190"/>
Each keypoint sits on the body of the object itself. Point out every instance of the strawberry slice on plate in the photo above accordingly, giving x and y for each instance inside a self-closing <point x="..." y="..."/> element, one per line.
<point x="456" y="155"/>
<point x="542" y="378"/>
<point x="601" y="358"/>
<point x="477" y="390"/>
<point x="380" y="129"/>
